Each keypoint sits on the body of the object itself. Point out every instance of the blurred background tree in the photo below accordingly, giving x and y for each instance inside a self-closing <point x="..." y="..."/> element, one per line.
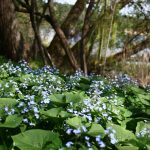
<point x="99" y="36"/>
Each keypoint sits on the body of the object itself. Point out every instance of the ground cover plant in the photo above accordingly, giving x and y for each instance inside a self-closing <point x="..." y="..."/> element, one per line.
<point x="45" y="110"/>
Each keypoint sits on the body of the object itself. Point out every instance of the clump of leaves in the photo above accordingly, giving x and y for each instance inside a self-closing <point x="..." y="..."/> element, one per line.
<point x="43" y="109"/>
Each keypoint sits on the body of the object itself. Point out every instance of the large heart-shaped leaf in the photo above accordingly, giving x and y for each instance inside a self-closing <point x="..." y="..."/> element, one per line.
<point x="12" y="121"/>
<point x="57" y="98"/>
<point x="96" y="129"/>
<point x="64" y="114"/>
<point x="75" y="122"/>
<point x="144" y="96"/>
<point x="7" y="102"/>
<point x="55" y="113"/>
<point x="127" y="148"/>
<point x="121" y="133"/>
<point x="74" y="97"/>
<point x="37" y="139"/>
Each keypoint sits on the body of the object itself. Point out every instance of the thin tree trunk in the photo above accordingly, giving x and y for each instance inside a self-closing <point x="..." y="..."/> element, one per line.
<point x="35" y="26"/>
<point x="76" y="48"/>
<point x="110" y="31"/>
<point x="85" y="29"/>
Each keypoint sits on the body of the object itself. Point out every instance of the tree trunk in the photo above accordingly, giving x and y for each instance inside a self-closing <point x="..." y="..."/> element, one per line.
<point x="62" y="38"/>
<point x="37" y="39"/>
<point x="11" y="42"/>
<point x="56" y="49"/>
<point x="85" y="30"/>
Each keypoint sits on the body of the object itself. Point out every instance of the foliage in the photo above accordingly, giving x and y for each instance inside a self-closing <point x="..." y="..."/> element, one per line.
<point x="43" y="109"/>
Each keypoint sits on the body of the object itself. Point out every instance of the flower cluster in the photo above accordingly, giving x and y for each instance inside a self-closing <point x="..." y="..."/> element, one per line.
<point x="31" y="88"/>
<point x="144" y="133"/>
<point x="29" y="109"/>
<point x="73" y="80"/>
<point x="122" y="80"/>
<point x="111" y="134"/>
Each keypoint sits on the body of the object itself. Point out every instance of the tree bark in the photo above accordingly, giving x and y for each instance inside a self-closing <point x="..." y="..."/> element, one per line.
<point x="37" y="39"/>
<point x="63" y="40"/>
<point x="85" y="30"/>
<point x="56" y="49"/>
<point x="11" y="42"/>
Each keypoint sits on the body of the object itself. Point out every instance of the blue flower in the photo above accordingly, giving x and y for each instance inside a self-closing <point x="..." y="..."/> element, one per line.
<point x="88" y="144"/>
<point x="89" y="118"/>
<point x="46" y="101"/>
<point x="31" y="102"/>
<point x="32" y="124"/>
<point x="69" y="144"/>
<point x="83" y="128"/>
<point x="69" y="131"/>
<point x="77" y="131"/>
<point x="25" y="110"/>
<point x="37" y="116"/>
<point x="35" y="109"/>
<point x="25" y="120"/>
<point x="87" y="138"/>
<point x="21" y="104"/>
<point x="101" y="144"/>
<point x="113" y="140"/>
<point x="98" y="138"/>
<point x="6" y="109"/>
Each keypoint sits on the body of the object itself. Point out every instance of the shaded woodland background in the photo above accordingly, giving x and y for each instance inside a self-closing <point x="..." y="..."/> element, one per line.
<point x="101" y="36"/>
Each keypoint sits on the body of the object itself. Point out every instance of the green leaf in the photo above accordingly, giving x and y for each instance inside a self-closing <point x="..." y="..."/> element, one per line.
<point x="96" y="129"/>
<point x="140" y="126"/>
<point x="64" y="114"/>
<point x="124" y="122"/>
<point x="4" y="74"/>
<point x="21" y="96"/>
<point x="74" y="97"/>
<point x="127" y="148"/>
<point x="7" y="102"/>
<point x="54" y="112"/>
<point x="84" y="84"/>
<point x="137" y="90"/>
<point x="12" y="121"/>
<point x="121" y="133"/>
<point x="144" y="141"/>
<point x="25" y="77"/>
<point x="145" y="102"/>
<point x="37" y="139"/>
<point x="85" y="80"/>
<point x="83" y="87"/>
<point x="58" y="98"/>
<point x="143" y="96"/>
<point x="75" y="122"/>
<point x="148" y="147"/>
<point x="2" y="147"/>
<point x="126" y="113"/>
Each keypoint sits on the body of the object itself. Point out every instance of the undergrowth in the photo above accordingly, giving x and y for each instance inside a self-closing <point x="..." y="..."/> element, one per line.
<point x="43" y="109"/>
